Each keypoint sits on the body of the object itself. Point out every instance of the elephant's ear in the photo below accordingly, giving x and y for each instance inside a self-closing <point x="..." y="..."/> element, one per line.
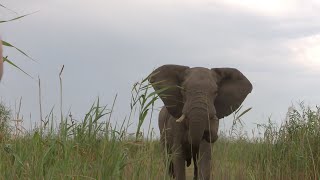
<point x="170" y="78"/>
<point x="233" y="89"/>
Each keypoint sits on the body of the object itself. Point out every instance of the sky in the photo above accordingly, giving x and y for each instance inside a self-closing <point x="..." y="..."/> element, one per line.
<point x="108" y="45"/>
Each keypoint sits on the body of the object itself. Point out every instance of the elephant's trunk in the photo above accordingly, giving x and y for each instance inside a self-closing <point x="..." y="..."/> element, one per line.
<point x="200" y="114"/>
<point x="197" y="118"/>
<point x="196" y="132"/>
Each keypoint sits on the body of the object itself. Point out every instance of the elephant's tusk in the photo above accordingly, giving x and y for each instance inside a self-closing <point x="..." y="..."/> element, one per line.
<point x="181" y="118"/>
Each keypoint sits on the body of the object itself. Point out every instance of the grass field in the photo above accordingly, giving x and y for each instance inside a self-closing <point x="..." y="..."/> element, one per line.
<point x="93" y="149"/>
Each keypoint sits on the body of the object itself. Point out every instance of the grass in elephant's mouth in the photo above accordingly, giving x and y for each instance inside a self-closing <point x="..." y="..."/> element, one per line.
<point x="92" y="149"/>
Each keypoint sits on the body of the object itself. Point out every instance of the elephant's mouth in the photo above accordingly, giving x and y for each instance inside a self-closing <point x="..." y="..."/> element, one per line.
<point x="210" y="137"/>
<point x="206" y="136"/>
<point x="197" y="130"/>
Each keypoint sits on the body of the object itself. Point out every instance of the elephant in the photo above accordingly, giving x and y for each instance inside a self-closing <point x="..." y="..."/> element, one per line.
<point x="194" y="101"/>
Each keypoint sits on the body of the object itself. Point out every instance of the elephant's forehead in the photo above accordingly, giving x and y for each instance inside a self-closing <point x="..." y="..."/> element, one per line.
<point x="199" y="78"/>
<point x="199" y="72"/>
<point x="199" y="69"/>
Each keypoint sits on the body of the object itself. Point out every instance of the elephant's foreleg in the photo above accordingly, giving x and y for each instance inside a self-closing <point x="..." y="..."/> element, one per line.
<point x="195" y="169"/>
<point x="204" y="160"/>
<point x="179" y="164"/>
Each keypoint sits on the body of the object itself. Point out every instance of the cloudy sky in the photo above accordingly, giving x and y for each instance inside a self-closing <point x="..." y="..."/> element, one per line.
<point x="108" y="45"/>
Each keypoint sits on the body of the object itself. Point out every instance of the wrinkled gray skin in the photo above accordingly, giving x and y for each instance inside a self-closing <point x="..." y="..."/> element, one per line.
<point x="198" y="97"/>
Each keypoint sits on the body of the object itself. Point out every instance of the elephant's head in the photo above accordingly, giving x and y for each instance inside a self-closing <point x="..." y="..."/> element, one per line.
<point x="199" y="97"/>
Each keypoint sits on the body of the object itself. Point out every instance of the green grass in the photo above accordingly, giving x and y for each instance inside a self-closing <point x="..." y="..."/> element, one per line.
<point x="94" y="149"/>
<point x="291" y="151"/>
<point x="87" y="150"/>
